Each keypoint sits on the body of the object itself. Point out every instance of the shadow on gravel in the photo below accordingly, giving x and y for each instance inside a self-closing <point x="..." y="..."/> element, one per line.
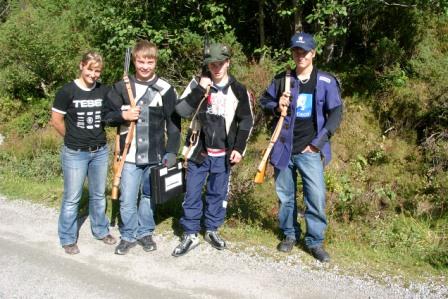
<point x="171" y="209"/>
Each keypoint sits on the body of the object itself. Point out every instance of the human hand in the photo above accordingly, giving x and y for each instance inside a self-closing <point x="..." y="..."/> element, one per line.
<point x="205" y="81"/>
<point x="283" y="102"/>
<point x="310" y="149"/>
<point x="235" y="157"/>
<point x="131" y="114"/>
<point x="169" y="160"/>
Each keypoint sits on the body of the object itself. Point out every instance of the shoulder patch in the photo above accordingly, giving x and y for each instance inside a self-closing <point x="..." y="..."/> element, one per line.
<point x="325" y="79"/>
<point x="164" y="85"/>
<point x="193" y="83"/>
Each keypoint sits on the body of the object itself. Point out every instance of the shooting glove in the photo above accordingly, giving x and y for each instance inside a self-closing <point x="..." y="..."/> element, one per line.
<point x="169" y="160"/>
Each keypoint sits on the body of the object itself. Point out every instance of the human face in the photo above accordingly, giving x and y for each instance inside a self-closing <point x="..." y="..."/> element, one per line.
<point x="90" y="73"/>
<point x="218" y="70"/>
<point x="144" y="67"/>
<point x="303" y="59"/>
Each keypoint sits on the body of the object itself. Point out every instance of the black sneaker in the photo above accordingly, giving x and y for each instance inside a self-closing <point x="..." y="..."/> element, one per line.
<point x="147" y="243"/>
<point x="215" y="240"/>
<point x="286" y="245"/>
<point x="319" y="254"/>
<point x="124" y="247"/>
<point x="188" y="242"/>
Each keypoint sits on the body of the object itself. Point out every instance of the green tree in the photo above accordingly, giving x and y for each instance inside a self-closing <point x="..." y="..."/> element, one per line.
<point x="41" y="43"/>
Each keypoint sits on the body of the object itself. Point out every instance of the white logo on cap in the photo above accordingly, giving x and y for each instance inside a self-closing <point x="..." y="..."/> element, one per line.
<point x="301" y="40"/>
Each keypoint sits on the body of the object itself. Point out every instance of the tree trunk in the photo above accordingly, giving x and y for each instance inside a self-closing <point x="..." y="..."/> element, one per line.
<point x="297" y="17"/>
<point x="261" y="22"/>
<point x="331" y="43"/>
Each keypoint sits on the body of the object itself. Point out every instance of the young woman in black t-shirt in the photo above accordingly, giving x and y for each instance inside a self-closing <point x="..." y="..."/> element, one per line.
<point x="76" y="116"/>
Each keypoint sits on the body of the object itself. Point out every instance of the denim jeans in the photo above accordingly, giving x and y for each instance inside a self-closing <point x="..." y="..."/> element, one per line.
<point x="76" y="166"/>
<point x="137" y="217"/>
<point x="310" y="168"/>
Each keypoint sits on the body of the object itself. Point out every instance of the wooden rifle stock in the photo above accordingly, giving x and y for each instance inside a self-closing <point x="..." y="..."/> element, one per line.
<point x="120" y="159"/>
<point x="261" y="170"/>
<point x="116" y="165"/>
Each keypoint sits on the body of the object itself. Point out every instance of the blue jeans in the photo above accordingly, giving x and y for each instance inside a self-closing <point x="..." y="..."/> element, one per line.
<point x="311" y="170"/>
<point x="76" y="166"/>
<point x="217" y="173"/>
<point x="137" y="218"/>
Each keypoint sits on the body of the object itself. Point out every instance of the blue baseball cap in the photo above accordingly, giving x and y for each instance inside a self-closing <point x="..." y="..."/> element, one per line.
<point x="303" y="40"/>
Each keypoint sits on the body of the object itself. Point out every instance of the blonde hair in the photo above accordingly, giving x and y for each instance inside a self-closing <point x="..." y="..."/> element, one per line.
<point x="145" y="49"/>
<point x="91" y="57"/>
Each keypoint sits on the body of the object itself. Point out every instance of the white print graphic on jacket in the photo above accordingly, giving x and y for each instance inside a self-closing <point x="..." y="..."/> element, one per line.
<point x="216" y="104"/>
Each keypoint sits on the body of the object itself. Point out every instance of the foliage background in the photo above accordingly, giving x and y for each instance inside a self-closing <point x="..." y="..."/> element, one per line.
<point x="387" y="185"/>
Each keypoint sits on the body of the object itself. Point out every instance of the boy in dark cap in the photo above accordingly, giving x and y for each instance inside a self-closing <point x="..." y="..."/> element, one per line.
<point x="314" y="108"/>
<point x="224" y="113"/>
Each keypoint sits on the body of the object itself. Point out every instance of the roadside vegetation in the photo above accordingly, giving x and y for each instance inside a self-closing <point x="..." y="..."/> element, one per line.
<point x="387" y="183"/>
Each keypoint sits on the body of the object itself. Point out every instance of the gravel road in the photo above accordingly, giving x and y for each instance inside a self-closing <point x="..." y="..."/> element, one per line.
<point x="33" y="265"/>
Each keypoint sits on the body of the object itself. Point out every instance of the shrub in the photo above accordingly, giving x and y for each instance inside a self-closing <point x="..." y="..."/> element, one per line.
<point x="34" y="156"/>
<point x="41" y="45"/>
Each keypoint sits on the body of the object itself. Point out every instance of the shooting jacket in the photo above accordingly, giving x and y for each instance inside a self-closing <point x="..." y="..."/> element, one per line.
<point x="157" y="119"/>
<point x="327" y="112"/>
<point x="238" y="118"/>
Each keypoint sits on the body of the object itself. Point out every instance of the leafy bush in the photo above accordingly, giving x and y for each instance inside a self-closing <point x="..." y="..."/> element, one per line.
<point x="28" y="117"/>
<point x="34" y="156"/>
<point x="407" y="236"/>
<point x="41" y="46"/>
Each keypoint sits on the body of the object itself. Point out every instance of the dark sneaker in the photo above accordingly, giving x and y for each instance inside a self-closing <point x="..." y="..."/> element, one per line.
<point x="71" y="249"/>
<point x="188" y="242"/>
<point x="147" y="243"/>
<point x="319" y="254"/>
<point x="286" y="245"/>
<point x="109" y="240"/>
<point x="124" y="247"/>
<point x="215" y="240"/>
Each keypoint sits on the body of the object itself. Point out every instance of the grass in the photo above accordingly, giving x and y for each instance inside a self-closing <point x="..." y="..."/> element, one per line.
<point x="44" y="192"/>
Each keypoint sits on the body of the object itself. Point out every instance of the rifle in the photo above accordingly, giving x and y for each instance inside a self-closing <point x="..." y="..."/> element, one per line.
<point x="120" y="159"/>
<point x="195" y="126"/>
<point x="205" y="72"/>
<point x="261" y="170"/>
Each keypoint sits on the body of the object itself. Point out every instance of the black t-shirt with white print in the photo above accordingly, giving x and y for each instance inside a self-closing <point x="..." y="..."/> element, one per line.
<point x="82" y="110"/>
<point x="304" y="125"/>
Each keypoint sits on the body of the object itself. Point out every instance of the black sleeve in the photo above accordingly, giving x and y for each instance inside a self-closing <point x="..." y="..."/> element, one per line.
<point x="245" y="118"/>
<point x="334" y="118"/>
<point x="62" y="100"/>
<point x="173" y="121"/>
<point x="112" y="107"/>
<point x="188" y="104"/>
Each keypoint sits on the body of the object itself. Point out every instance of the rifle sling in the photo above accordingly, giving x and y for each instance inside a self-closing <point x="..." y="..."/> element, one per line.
<point x="195" y="128"/>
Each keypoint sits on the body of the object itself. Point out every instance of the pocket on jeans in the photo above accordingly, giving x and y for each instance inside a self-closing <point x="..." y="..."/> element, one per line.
<point x="70" y="151"/>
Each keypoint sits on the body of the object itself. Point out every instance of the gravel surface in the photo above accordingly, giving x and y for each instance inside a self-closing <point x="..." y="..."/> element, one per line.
<point x="35" y="266"/>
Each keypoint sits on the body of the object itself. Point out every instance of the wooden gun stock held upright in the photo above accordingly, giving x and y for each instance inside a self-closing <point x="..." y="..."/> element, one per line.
<point x="119" y="160"/>
<point x="261" y="170"/>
